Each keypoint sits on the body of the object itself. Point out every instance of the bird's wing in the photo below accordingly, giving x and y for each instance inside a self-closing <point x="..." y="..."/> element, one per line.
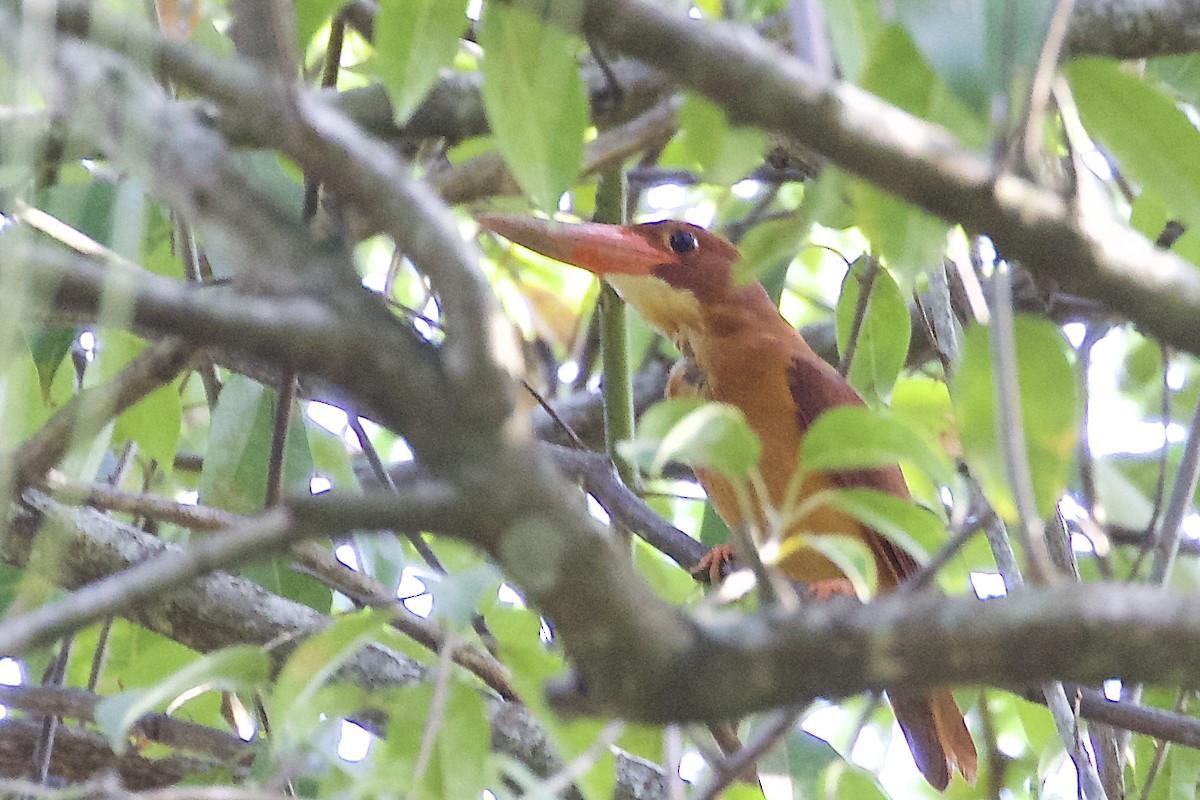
<point x="816" y="386"/>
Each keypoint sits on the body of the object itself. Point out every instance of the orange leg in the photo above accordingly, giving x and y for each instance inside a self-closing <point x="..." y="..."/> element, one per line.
<point x="715" y="564"/>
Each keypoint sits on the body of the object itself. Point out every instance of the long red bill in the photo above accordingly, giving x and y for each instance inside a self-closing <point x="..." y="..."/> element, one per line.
<point x="602" y="249"/>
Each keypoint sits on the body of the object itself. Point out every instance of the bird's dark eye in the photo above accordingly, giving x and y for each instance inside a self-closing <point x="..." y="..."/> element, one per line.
<point x="683" y="242"/>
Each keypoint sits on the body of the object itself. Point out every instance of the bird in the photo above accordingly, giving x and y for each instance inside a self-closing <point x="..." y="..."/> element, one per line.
<point x="738" y="349"/>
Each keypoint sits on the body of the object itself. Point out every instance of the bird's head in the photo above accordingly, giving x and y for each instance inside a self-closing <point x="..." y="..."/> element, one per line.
<point x="666" y="270"/>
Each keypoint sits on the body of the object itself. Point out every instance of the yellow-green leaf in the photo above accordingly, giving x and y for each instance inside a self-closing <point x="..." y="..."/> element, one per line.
<point x="1050" y="412"/>
<point x="533" y="94"/>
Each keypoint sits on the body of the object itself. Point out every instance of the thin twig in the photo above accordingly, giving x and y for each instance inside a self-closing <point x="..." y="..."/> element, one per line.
<point x="866" y="283"/>
<point x="435" y="717"/>
<point x="728" y="769"/>
<point x="151" y="506"/>
<point x="1043" y="82"/>
<point x="1010" y="429"/>
<point x="269" y="532"/>
<point x="1184" y="489"/>
<point x="283" y="417"/>
<point x="90" y="409"/>
<point x="377" y="467"/>
<point x="559" y="782"/>
<point x="55" y="673"/>
<point x="1162" y="746"/>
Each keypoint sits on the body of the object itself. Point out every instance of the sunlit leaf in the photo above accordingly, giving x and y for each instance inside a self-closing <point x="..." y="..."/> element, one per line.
<point x="230" y="669"/>
<point x="1050" y="411"/>
<point x="414" y="40"/>
<point x="915" y="529"/>
<point x="457" y="763"/>
<point x="849" y="554"/>
<point x="707" y="144"/>
<point x="908" y="238"/>
<point x="854" y="437"/>
<point x="881" y="346"/>
<point x="691" y="431"/>
<point x="310" y="16"/>
<point x="1151" y="138"/>
<point x="153" y="423"/>
<point x="533" y="95"/>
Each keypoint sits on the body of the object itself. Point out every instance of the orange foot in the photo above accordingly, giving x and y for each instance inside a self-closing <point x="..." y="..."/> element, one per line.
<point x="715" y="564"/>
<point x="835" y="587"/>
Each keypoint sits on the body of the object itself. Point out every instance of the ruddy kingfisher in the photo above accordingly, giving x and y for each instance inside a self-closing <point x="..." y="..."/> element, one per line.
<point x="739" y="349"/>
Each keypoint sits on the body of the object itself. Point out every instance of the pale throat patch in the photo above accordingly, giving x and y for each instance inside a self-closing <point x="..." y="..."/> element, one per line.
<point x="675" y="313"/>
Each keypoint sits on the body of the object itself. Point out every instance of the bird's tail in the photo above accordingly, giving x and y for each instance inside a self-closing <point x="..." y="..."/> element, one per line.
<point x="936" y="734"/>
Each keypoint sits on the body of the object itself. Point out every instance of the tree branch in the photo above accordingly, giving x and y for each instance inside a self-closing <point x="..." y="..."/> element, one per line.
<point x="758" y="84"/>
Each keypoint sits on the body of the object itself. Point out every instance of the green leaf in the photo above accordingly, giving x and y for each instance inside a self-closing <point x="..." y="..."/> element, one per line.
<point x="882" y="344"/>
<point x="855" y="437"/>
<point x="278" y="577"/>
<point x="1151" y="138"/>
<point x="85" y="206"/>
<point x="979" y="48"/>
<point x="456" y="595"/>
<point x="708" y="144"/>
<point x="849" y="554"/>
<point x="1181" y="73"/>
<point x="49" y="346"/>
<point x="234" y="476"/>
<point x="909" y="239"/>
<point x="853" y="27"/>
<point x="230" y="669"/>
<point x="534" y="98"/>
<point x="25" y="407"/>
<point x="310" y="16"/>
<point x="265" y="171"/>
<point x="290" y="704"/>
<point x="458" y="762"/>
<point x="803" y="759"/>
<point x="1050" y="412"/>
<point x="414" y="40"/>
<point x="153" y="423"/>
<point x="915" y="529"/>
<point x="768" y="248"/>
<point x="691" y="431"/>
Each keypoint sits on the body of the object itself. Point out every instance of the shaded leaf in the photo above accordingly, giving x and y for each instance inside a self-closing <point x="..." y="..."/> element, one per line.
<point x="231" y="669"/>
<point x="289" y="704"/>
<point x="234" y="475"/>
<point x="979" y="48"/>
<point x="48" y="347"/>
<point x="882" y="344"/>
